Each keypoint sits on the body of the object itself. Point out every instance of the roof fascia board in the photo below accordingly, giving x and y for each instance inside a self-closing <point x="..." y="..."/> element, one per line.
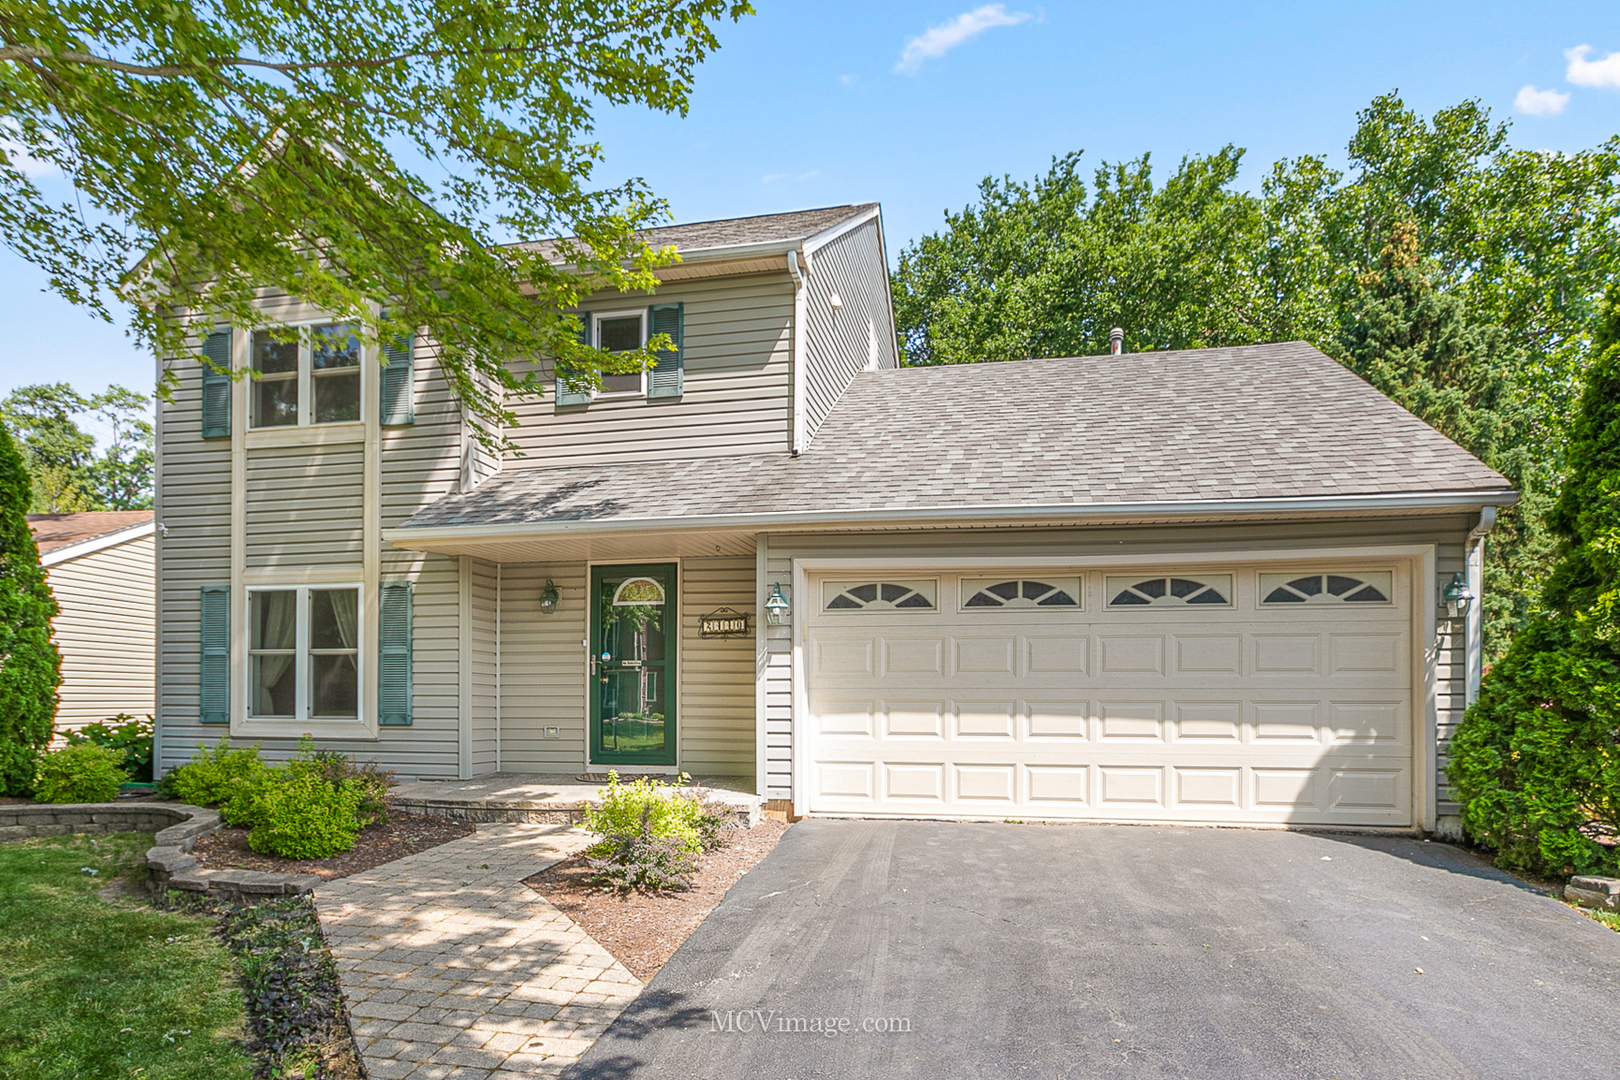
<point x="69" y="552"/>
<point x="979" y="515"/>
<point x="833" y="232"/>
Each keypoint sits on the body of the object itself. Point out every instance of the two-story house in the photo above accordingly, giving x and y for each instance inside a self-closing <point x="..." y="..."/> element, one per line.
<point x="1229" y="585"/>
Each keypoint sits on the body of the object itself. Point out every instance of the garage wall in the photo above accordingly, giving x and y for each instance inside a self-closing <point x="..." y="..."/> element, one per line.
<point x="1448" y="534"/>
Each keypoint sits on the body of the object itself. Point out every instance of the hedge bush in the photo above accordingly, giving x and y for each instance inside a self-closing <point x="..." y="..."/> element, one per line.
<point x="651" y="834"/>
<point x="123" y="732"/>
<point x="79" y="774"/>
<point x="30" y="667"/>
<point x="304" y="817"/>
<point x="663" y="809"/>
<point x="209" y="778"/>
<point x="1536" y="760"/>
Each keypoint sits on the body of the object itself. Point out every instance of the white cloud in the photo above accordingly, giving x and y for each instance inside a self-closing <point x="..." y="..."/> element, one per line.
<point x="1540" y="102"/>
<point x="936" y="41"/>
<point x="1584" y="72"/>
<point x="771" y="178"/>
<point x="849" y="80"/>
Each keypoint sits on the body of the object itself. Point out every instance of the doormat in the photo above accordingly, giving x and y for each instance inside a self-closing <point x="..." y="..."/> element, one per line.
<point x="602" y="777"/>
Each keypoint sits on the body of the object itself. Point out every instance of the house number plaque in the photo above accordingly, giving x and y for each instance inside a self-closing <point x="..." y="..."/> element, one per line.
<point x="724" y="623"/>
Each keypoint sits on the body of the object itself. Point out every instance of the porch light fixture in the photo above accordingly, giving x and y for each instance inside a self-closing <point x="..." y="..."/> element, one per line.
<point x="776" y="605"/>
<point x="548" y="598"/>
<point x="1456" y="596"/>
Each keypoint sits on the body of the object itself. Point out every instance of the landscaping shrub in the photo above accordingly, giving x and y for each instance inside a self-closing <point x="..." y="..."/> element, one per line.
<point x="77" y="774"/>
<point x="371" y="780"/>
<point x="638" y="859"/>
<point x="208" y="778"/>
<point x="662" y="809"/>
<point x="1536" y="761"/>
<point x="30" y="667"/>
<point x="304" y="817"/>
<point x="122" y="732"/>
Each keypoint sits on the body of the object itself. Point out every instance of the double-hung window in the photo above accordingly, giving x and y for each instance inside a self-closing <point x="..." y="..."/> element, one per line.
<point x="304" y="653"/>
<point x="312" y="380"/>
<point x="621" y="332"/>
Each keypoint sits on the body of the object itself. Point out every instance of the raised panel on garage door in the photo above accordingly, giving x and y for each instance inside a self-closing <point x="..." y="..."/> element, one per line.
<point x="1218" y="696"/>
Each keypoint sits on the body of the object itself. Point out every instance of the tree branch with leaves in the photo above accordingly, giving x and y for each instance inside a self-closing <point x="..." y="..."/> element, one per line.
<point x="217" y="150"/>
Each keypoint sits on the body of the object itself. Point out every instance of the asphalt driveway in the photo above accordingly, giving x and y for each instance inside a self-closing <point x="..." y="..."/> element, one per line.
<point x="939" y="950"/>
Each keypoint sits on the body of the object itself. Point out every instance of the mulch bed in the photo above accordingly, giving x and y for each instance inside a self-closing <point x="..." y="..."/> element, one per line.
<point x="404" y="834"/>
<point x="643" y="930"/>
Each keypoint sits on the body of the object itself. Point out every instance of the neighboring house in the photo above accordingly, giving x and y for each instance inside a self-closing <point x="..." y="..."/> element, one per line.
<point x="1179" y="586"/>
<point x="100" y="566"/>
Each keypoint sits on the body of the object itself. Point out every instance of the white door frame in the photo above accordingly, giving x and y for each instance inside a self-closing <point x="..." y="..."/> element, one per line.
<point x="1420" y="558"/>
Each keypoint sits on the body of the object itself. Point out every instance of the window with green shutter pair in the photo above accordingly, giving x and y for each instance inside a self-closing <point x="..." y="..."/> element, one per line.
<point x="276" y="395"/>
<point x="620" y="332"/>
<point x="393" y="661"/>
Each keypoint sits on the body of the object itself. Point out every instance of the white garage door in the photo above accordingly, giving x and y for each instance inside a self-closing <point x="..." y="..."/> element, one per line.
<point x="1248" y="694"/>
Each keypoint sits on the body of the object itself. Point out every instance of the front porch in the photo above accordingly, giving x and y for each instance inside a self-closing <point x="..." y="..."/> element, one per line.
<point x="544" y="797"/>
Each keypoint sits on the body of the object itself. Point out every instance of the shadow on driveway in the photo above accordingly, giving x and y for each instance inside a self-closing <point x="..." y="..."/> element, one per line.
<point x="940" y="950"/>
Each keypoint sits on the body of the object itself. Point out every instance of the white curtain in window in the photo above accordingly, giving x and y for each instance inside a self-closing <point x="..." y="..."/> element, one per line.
<point x="278" y="619"/>
<point x="346" y="613"/>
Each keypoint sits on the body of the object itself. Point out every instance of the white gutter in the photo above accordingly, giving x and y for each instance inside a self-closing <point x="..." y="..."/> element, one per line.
<point x="96" y="543"/>
<point x="800" y="307"/>
<point x="1475" y="627"/>
<point x="410" y="538"/>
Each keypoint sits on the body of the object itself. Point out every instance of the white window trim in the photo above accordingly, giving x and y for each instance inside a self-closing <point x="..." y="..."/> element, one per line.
<point x="343" y="429"/>
<point x="303" y="723"/>
<point x="596" y="336"/>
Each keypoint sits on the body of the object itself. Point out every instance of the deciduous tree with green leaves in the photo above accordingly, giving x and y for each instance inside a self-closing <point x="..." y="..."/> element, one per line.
<point x="67" y="474"/>
<point x="30" y="667"/>
<point x="1536" y="761"/>
<point x="354" y="154"/>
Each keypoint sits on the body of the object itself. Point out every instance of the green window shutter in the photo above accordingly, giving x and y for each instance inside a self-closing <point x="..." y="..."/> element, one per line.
<point x="665" y="380"/>
<point x="394" y="660"/>
<point x="567" y="395"/>
<point x="399" y="381"/>
<point x="214" y="678"/>
<point x="216" y="386"/>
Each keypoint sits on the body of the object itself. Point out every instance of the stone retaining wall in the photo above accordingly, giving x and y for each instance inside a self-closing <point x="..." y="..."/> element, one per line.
<point x="169" y="862"/>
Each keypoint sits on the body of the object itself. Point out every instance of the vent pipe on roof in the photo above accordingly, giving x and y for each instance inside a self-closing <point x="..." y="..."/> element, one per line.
<point x="1116" y="341"/>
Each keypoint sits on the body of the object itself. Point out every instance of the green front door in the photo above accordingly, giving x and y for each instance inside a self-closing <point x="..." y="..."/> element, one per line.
<point x="633" y="665"/>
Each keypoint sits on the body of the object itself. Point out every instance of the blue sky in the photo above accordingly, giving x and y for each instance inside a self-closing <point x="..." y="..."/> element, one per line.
<point x="912" y="103"/>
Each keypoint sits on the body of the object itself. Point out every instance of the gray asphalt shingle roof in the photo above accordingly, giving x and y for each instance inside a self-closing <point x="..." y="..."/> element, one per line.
<point x="1254" y="422"/>
<point x="736" y="232"/>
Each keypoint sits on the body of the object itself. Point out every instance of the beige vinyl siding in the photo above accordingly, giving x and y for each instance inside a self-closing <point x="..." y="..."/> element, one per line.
<point x="485" y="665"/>
<point x="716" y="720"/>
<point x="777" y="674"/>
<point x="737" y="387"/>
<point x="106" y="632"/>
<point x="854" y="338"/>
<point x="193" y="503"/>
<point x="304" y="506"/>
<point x="543" y="668"/>
<point x="1448" y="534"/>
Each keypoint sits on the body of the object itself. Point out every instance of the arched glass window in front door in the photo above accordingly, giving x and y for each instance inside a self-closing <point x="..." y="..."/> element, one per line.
<point x="638" y="591"/>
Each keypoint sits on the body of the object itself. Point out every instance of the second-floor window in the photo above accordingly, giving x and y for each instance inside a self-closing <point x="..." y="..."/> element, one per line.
<point x="622" y="332"/>
<point x="313" y="380"/>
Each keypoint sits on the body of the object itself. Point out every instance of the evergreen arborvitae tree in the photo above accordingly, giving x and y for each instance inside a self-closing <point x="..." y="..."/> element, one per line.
<point x="30" y="667"/>
<point x="1416" y="342"/>
<point x="1536" y="762"/>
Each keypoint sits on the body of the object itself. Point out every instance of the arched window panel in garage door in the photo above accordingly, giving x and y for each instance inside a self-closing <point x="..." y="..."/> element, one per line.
<point x="1043" y="593"/>
<point x="1361" y="587"/>
<point x="880" y="594"/>
<point x="1169" y="590"/>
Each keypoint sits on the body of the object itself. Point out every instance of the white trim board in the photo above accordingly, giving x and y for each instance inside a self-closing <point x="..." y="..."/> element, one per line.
<point x="80" y="548"/>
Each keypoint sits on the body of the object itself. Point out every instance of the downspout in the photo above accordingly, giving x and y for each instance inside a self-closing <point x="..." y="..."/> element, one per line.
<point x="1476" y="616"/>
<point x="800" y="305"/>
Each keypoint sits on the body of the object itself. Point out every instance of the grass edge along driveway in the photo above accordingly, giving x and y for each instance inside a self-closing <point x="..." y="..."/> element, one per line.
<point x="91" y="988"/>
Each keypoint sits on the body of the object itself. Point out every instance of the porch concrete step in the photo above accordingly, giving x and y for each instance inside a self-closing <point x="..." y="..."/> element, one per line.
<point x="542" y="798"/>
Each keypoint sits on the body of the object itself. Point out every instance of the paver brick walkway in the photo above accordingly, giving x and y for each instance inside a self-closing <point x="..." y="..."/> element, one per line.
<point x="453" y="969"/>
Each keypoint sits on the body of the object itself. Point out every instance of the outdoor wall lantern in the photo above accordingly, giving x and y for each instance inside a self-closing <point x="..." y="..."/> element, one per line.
<point x="549" y="597"/>
<point x="776" y="606"/>
<point x="1456" y="596"/>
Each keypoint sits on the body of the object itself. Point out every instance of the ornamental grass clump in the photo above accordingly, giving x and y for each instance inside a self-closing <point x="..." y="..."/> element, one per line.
<point x="85" y="773"/>
<point x="1536" y="760"/>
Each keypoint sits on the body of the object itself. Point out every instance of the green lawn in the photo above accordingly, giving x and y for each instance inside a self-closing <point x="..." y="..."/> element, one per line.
<point x="92" y="989"/>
